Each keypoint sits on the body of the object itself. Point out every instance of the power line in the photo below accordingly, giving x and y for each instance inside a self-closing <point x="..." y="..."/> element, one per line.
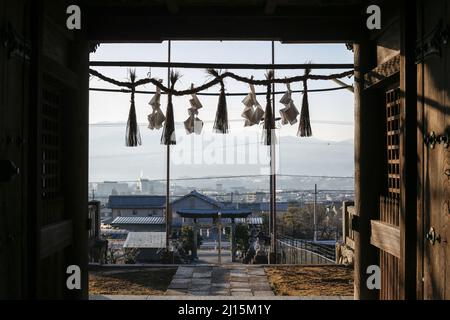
<point x="232" y="66"/>
<point x="228" y="177"/>
<point x="147" y="154"/>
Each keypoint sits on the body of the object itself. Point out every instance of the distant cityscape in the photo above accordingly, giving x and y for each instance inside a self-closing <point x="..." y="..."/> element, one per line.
<point x="251" y="189"/>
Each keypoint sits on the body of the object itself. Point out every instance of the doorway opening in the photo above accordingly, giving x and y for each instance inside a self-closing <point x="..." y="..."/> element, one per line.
<point x="297" y="191"/>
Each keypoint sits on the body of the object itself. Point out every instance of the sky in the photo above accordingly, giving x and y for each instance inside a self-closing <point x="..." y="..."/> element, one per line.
<point x="331" y="113"/>
<point x="335" y="107"/>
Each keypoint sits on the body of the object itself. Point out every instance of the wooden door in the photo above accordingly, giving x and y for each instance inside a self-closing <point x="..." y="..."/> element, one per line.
<point x="61" y="156"/>
<point x="43" y="132"/>
<point x="434" y="155"/>
<point x="14" y="68"/>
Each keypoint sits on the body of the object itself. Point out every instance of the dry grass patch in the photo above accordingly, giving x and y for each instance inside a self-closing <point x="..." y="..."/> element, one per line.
<point x="311" y="280"/>
<point x="138" y="282"/>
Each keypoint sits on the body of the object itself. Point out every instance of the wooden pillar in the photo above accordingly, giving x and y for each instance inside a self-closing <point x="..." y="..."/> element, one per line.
<point x="194" y="246"/>
<point x="77" y="199"/>
<point x="408" y="195"/>
<point x="368" y="159"/>
<point x="34" y="201"/>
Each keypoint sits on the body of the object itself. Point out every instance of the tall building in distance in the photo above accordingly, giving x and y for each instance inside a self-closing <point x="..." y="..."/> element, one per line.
<point x="146" y="186"/>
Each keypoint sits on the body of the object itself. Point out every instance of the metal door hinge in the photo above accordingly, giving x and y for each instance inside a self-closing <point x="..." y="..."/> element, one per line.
<point x="432" y="236"/>
<point x="432" y="139"/>
<point x="8" y="170"/>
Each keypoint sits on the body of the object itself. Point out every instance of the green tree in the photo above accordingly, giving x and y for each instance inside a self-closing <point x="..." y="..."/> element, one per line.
<point x="242" y="237"/>
<point x="298" y="222"/>
<point x="187" y="238"/>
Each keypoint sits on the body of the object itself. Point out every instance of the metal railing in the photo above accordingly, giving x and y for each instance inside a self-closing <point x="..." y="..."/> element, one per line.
<point x="300" y="251"/>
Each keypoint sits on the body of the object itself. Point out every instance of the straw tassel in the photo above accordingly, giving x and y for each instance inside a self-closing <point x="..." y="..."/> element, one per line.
<point x="132" y="136"/>
<point x="221" y="122"/>
<point x="268" y="115"/>
<point x="304" y="129"/>
<point x="168" y="134"/>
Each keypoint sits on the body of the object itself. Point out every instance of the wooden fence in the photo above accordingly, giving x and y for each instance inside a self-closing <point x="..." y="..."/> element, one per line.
<point x="348" y="236"/>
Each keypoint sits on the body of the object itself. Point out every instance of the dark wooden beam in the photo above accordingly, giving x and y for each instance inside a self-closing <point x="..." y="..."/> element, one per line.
<point x="132" y="25"/>
<point x="368" y="165"/>
<point x="408" y="160"/>
<point x="34" y="198"/>
<point x="228" y="66"/>
<point x="172" y="6"/>
<point x="386" y="237"/>
<point x="271" y="6"/>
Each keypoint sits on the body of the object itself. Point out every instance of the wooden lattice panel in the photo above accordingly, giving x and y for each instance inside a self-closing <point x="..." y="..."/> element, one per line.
<point x="393" y="142"/>
<point x="390" y="210"/>
<point x="390" y="203"/>
<point x="390" y="276"/>
<point x="51" y="145"/>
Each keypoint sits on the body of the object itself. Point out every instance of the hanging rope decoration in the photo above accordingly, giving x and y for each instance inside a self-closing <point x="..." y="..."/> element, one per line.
<point x="252" y="116"/>
<point x="221" y="122"/>
<point x="156" y="118"/>
<point x="168" y="134"/>
<point x="132" y="136"/>
<point x="216" y="81"/>
<point x="268" y="115"/>
<point x="253" y="112"/>
<point x="304" y="129"/>
<point x="289" y="113"/>
<point x="193" y="124"/>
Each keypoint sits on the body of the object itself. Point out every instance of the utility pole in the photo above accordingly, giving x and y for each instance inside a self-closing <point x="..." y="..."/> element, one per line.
<point x="314" y="211"/>
<point x="168" y="213"/>
<point x="219" y="231"/>
<point x="273" y="188"/>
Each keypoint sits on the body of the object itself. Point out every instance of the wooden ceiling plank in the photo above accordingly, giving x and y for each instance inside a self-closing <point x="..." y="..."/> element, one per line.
<point x="271" y="6"/>
<point x="172" y="6"/>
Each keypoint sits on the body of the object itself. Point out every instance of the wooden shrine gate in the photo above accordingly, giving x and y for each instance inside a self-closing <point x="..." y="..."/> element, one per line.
<point x="402" y="129"/>
<point x="402" y="147"/>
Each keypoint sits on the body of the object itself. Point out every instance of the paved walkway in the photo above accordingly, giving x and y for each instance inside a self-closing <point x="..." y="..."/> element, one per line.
<point x="212" y="257"/>
<point x="226" y="280"/>
<point x="202" y="298"/>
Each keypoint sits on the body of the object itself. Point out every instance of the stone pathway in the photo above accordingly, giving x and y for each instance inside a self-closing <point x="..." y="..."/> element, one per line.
<point x="203" y="298"/>
<point x="226" y="280"/>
